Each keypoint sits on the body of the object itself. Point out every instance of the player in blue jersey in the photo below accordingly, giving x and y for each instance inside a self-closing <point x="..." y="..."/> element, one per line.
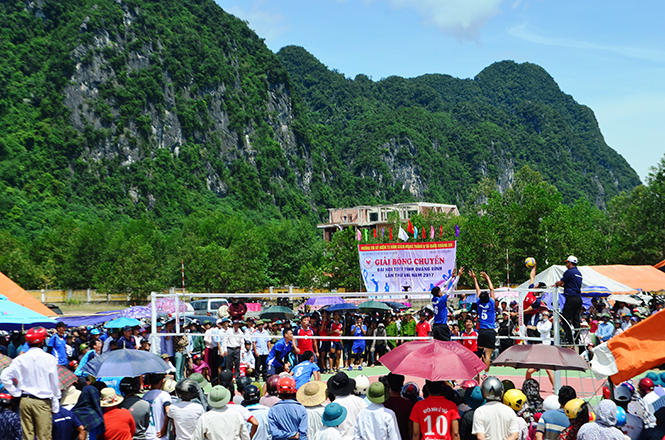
<point x="440" y="329"/>
<point x="486" y="318"/>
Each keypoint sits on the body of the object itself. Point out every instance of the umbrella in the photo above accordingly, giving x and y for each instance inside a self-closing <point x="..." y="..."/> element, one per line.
<point x="65" y="377"/>
<point x="625" y="298"/>
<point x="125" y="363"/>
<point x="396" y="305"/>
<point x="374" y="306"/>
<point x="5" y="361"/>
<point x="167" y="305"/>
<point x="122" y="322"/>
<point x="596" y="291"/>
<point x="277" y="312"/>
<point x="15" y="317"/>
<point x="343" y="307"/>
<point x="323" y="300"/>
<point x="137" y="312"/>
<point x="541" y="356"/>
<point x="433" y="360"/>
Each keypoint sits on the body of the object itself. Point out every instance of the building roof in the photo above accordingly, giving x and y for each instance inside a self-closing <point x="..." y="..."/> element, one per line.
<point x="15" y="293"/>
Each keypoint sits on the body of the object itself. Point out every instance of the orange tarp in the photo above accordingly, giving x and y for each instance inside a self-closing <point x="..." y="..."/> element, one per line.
<point x="639" y="348"/>
<point x="645" y="278"/>
<point x="15" y="293"/>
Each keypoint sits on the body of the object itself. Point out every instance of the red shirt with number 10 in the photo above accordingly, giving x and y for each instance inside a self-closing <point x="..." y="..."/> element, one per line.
<point x="435" y="416"/>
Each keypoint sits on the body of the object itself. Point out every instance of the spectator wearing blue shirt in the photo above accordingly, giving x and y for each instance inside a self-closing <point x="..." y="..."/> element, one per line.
<point x="287" y="419"/>
<point x="304" y="370"/>
<point x="486" y="318"/>
<point x="277" y="358"/>
<point x="605" y="328"/>
<point x="571" y="281"/>
<point x="440" y="329"/>
<point x="66" y="426"/>
<point x="127" y="340"/>
<point x="57" y="344"/>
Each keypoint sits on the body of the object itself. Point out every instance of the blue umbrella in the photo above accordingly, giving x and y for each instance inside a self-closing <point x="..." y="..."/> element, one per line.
<point x="343" y="307"/>
<point x="122" y="322"/>
<point x="15" y="317"/>
<point x="323" y="300"/>
<point x="596" y="291"/>
<point x="125" y="362"/>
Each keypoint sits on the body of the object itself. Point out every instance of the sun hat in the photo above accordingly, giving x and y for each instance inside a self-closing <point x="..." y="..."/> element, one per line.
<point x="377" y="393"/>
<point x="70" y="396"/>
<point x="169" y="386"/>
<point x="312" y="393"/>
<point x="333" y="415"/>
<point x="219" y="396"/>
<point x="109" y="398"/>
<point x="202" y="381"/>
<point x="340" y="384"/>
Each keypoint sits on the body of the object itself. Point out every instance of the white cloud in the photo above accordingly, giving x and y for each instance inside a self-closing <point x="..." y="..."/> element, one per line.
<point x="460" y="18"/>
<point x="267" y="24"/>
<point x="525" y="34"/>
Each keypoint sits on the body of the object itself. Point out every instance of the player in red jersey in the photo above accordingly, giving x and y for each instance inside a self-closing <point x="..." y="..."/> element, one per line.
<point x="435" y="418"/>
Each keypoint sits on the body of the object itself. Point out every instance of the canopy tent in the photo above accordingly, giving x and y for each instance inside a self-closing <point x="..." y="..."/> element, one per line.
<point x="76" y="321"/>
<point x="17" y="317"/>
<point x="590" y="277"/>
<point x="16" y="294"/>
<point x="644" y="278"/>
<point x="660" y="266"/>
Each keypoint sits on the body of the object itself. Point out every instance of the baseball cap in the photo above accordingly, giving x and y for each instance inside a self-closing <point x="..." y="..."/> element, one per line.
<point x="572" y="259"/>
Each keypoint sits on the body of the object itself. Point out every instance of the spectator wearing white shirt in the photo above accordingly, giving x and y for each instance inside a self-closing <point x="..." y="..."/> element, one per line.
<point x="261" y="349"/>
<point x="155" y="340"/>
<point x="342" y="386"/>
<point x="34" y="377"/>
<point x="544" y="327"/>
<point x="247" y="358"/>
<point x="376" y="421"/>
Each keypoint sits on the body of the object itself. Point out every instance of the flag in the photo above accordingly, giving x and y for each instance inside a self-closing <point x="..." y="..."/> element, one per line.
<point x="440" y="231"/>
<point x="390" y="231"/>
<point x="365" y="233"/>
<point x="415" y="233"/>
<point x="409" y="228"/>
<point x="402" y="234"/>
<point x="374" y="232"/>
<point x="424" y="235"/>
<point x="431" y="231"/>
<point x="359" y="234"/>
<point x="457" y="231"/>
<point x="382" y="232"/>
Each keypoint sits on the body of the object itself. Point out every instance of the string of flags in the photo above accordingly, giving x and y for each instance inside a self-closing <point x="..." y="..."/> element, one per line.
<point x="402" y="234"/>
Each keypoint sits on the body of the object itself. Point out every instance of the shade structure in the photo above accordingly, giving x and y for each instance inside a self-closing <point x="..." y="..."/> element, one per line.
<point x="374" y="306"/>
<point x="122" y="322"/>
<point x="75" y="321"/>
<point x="137" y="312"/>
<point x="433" y="360"/>
<point x="125" y="362"/>
<point x="277" y="312"/>
<point x="16" y="294"/>
<point x="16" y="317"/>
<point x="65" y="377"/>
<point x="343" y="307"/>
<point x="541" y="356"/>
<point x="323" y="300"/>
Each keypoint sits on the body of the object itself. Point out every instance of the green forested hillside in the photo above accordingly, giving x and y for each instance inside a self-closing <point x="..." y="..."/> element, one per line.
<point x="458" y="131"/>
<point x="137" y="134"/>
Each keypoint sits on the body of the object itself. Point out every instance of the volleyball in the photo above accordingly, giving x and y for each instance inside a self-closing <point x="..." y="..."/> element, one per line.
<point x="530" y="262"/>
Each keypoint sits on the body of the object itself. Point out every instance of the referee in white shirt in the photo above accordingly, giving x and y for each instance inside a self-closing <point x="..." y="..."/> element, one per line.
<point x="33" y="376"/>
<point x="235" y="338"/>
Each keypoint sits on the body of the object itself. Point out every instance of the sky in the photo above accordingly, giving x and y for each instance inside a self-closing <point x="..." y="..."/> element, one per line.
<point x="608" y="55"/>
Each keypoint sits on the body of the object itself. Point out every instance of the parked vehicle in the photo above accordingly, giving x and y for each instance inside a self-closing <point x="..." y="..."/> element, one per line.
<point x="208" y="307"/>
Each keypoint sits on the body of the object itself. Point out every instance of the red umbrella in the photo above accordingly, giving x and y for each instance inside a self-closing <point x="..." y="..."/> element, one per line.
<point x="65" y="377"/>
<point x="433" y="360"/>
<point x="541" y="356"/>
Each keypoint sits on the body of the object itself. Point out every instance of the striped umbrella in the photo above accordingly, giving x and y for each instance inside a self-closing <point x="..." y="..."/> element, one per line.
<point x="596" y="291"/>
